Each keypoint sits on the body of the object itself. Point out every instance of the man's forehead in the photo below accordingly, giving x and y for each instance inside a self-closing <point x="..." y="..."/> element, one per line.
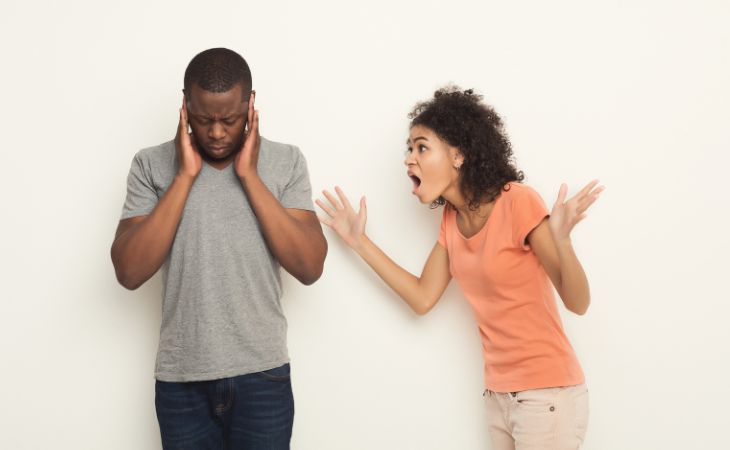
<point x="201" y="102"/>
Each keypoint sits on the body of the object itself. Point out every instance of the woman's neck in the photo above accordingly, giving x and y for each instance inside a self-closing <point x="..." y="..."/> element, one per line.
<point x="458" y="201"/>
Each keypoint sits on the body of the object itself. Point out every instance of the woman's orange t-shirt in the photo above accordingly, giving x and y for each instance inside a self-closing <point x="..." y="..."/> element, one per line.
<point x="525" y="346"/>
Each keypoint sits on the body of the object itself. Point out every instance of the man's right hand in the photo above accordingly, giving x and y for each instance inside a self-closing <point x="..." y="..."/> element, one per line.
<point x="187" y="153"/>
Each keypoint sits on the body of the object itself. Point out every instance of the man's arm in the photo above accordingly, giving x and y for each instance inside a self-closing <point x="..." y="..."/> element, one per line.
<point x="294" y="236"/>
<point x="142" y="243"/>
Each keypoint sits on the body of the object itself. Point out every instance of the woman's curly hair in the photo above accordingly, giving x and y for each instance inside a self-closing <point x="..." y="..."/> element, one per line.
<point x="462" y="120"/>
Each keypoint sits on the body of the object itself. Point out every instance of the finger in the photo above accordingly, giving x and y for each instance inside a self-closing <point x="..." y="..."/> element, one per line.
<point x="343" y="198"/>
<point x="191" y="139"/>
<point x="327" y="222"/>
<point x="587" y="202"/>
<point x="332" y="200"/>
<point x="179" y="125"/>
<point x="562" y="193"/>
<point x="579" y="218"/>
<point x="185" y="113"/>
<point x="251" y="109"/>
<point x="597" y="190"/>
<point x="181" y="117"/>
<point x="363" y="213"/>
<point x="255" y="127"/>
<point x="587" y="188"/>
<point x="325" y="207"/>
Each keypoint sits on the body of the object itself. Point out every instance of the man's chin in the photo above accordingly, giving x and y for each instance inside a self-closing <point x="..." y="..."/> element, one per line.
<point x="217" y="154"/>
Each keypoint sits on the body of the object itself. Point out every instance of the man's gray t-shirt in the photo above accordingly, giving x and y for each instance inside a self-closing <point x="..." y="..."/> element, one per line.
<point x="221" y="309"/>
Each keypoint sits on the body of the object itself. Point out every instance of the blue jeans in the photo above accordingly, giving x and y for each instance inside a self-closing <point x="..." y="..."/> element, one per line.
<point x="251" y="412"/>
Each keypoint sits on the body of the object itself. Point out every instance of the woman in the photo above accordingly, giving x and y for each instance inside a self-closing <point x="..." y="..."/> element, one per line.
<point x="504" y="249"/>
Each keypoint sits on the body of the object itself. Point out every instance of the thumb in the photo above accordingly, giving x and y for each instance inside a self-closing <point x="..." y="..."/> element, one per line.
<point x="363" y="213"/>
<point x="562" y="193"/>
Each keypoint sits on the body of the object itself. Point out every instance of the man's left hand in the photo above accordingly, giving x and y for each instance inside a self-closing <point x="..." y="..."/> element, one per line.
<point x="248" y="157"/>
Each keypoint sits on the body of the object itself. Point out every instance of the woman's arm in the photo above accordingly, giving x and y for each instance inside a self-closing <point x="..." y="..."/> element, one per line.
<point x="550" y="241"/>
<point x="420" y="293"/>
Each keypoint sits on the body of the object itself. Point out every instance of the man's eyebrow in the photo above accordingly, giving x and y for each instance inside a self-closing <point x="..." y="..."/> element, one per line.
<point x="206" y="117"/>
<point x="200" y="116"/>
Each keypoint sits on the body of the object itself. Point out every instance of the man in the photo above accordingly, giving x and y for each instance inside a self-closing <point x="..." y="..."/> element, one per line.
<point x="220" y="209"/>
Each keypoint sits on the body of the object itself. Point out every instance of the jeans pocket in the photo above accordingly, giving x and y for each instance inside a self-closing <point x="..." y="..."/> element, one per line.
<point x="280" y="374"/>
<point x="537" y="399"/>
<point x="581" y="405"/>
<point x="534" y="416"/>
<point x="179" y="398"/>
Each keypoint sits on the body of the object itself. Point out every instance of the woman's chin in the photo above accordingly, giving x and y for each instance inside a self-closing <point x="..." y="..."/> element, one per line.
<point x="425" y="199"/>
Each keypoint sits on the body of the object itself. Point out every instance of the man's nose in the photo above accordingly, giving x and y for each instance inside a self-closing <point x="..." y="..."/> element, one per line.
<point x="216" y="131"/>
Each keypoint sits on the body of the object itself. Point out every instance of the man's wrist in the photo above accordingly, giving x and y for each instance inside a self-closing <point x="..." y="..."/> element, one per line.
<point x="249" y="177"/>
<point x="185" y="178"/>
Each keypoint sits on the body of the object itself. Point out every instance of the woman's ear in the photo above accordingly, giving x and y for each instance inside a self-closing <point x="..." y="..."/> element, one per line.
<point x="457" y="158"/>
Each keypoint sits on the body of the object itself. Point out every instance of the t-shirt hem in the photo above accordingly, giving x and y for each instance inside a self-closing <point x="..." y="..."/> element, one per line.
<point x="297" y="206"/>
<point x="563" y="382"/>
<point x="534" y="223"/>
<point x="136" y="213"/>
<point x="208" y="376"/>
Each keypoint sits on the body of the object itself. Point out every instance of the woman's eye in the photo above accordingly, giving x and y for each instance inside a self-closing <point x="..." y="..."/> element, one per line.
<point x="408" y="150"/>
<point x="422" y="148"/>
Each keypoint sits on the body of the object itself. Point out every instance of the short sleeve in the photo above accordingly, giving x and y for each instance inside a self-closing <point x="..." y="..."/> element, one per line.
<point x="528" y="210"/>
<point x="298" y="191"/>
<point x="141" y="194"/>
<point x="442" y="231"/>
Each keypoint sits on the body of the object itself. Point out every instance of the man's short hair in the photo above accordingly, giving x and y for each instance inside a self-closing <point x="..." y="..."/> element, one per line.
<point x="218" y="70"/>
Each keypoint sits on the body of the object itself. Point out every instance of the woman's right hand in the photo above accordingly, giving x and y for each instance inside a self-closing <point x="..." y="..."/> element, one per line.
<point x="342" y="218"/>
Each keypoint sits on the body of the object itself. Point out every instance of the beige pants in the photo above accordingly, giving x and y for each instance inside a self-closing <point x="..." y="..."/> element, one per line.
<point x="538" y="419"/>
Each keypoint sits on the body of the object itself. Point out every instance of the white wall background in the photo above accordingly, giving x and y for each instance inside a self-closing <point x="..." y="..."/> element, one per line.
<point x="634" y="93"/>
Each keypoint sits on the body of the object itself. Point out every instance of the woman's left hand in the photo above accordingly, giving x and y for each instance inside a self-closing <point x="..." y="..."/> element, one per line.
<point x="566" y="214"/>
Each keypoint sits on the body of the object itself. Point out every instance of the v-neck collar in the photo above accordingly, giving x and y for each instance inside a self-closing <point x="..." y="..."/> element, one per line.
<point x="214" y="169"/>
<point x="484" y="226"/>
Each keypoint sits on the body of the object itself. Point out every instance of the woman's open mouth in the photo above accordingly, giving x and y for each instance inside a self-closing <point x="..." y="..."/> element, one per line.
<point x="416" y="182"/>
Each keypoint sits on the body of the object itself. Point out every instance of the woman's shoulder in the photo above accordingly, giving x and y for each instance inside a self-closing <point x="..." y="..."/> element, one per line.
<point x="514" y="190"/>
<point x="519" y="196"/>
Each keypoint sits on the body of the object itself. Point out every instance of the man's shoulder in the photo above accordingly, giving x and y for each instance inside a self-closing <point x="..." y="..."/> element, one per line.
<point x="158" y="159"/>
<point x="280" y="161"/>
<point x="279" y="150"/>
<point x="159" y="153"/>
